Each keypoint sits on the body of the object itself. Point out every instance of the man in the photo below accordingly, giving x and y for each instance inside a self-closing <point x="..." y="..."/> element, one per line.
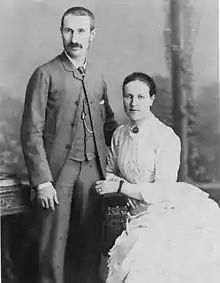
<point x="66" y="125"/>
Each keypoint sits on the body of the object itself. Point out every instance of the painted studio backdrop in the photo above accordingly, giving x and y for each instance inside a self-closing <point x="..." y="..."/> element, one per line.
<point x="131" y="36"/>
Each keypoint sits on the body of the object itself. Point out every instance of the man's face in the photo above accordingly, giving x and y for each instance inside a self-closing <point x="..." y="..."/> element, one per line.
<point x="76" y="35"/>
<point x="137" y="100"/>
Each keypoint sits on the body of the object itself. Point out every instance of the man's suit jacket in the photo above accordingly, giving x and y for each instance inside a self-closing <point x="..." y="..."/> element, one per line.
<point x="50" y="115"/>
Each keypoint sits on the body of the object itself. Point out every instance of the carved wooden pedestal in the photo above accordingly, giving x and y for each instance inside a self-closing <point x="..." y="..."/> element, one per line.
<point x="13" y="202"/>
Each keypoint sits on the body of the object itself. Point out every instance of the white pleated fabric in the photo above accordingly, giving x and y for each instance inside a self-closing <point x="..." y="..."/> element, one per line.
<point x="178" y="239"/>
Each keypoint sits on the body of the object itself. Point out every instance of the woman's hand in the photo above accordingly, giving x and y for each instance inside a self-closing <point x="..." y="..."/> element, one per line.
<point x="106" y="187"/>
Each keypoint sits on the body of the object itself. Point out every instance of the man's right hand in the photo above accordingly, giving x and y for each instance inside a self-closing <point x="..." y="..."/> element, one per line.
<point x="47" y="195"/>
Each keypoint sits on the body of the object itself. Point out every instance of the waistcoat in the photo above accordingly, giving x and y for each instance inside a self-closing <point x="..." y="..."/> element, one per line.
<point x="83" y="145"/>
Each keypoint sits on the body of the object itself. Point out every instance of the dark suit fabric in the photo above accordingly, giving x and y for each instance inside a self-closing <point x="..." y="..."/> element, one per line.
<point x="47" y="133"/>
<point x="50" y="108"/>
<point x="74" y="184"/>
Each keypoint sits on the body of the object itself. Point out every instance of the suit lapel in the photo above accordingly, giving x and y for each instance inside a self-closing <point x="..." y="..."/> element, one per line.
<point x="68" y="66"/>
<point x="89" y="79"/>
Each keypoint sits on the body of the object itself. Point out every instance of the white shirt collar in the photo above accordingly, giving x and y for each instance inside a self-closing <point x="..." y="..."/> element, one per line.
<point x="144" y="122"/>
<point x="74" y="64"/>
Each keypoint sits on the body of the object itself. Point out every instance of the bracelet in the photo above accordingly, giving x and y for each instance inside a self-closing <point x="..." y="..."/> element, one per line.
<point x="120" y="186"/>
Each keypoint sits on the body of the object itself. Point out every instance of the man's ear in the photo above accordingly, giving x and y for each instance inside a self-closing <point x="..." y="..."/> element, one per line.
<point x="92" y="34"/>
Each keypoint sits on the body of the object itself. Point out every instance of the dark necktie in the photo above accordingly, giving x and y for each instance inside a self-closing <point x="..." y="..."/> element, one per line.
<point x="81" y="69"/>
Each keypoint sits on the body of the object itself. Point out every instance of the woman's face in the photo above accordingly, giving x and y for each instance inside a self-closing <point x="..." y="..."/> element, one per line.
<point x="137" y="100"/>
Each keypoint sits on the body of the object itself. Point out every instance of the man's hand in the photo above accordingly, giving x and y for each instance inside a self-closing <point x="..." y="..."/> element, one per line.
<point x="47" y="196"/>
<point x="105" y="187"/>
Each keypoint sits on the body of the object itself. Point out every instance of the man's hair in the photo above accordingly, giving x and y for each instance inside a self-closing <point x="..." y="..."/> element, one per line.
<point x="142" y="77"/>
<point x="79" y="11"/>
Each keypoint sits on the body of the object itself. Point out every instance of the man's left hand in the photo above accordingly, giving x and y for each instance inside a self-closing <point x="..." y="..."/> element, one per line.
<point x="106" y="187"/>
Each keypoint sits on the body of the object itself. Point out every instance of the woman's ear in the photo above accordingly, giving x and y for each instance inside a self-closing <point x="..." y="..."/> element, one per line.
<point x="153" y="97"/>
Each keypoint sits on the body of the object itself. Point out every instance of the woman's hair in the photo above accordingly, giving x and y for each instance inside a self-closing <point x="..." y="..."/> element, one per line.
<point x="142" y="77"/>
<point x="80" y="11"/>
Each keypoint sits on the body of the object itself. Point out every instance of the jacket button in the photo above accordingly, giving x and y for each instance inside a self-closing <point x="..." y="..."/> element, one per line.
<point x="77" y="102"/>
<point x="67" y="146"/>
<point x="73" y="124"/>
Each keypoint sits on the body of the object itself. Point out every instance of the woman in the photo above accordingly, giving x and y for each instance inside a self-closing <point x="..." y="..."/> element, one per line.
<point x="173" y="234"/>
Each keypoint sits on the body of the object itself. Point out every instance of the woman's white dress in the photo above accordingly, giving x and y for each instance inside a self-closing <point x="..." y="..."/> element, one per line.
<point x="176" y="239"/>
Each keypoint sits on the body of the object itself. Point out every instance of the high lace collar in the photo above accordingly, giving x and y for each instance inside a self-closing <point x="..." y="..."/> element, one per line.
<point x="144" y="128"/>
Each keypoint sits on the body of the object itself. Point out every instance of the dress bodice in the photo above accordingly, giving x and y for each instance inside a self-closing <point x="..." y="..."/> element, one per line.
<point x="136" y="155"/>
<point x="144" y="157"/>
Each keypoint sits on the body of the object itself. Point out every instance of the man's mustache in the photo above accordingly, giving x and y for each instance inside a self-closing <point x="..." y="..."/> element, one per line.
<point x="75" y="45"/>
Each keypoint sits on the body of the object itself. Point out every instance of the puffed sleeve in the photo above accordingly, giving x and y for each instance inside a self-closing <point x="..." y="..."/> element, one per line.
<point x="167" y="162"/>
<point x="166" y="166"/>
<point x="167" y="157"/>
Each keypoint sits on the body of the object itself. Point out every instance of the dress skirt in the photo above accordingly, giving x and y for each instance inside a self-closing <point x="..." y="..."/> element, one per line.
<point x="177" y="240"/>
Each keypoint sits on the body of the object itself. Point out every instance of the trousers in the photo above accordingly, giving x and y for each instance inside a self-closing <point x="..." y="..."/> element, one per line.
<point x="75" y="188"/>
